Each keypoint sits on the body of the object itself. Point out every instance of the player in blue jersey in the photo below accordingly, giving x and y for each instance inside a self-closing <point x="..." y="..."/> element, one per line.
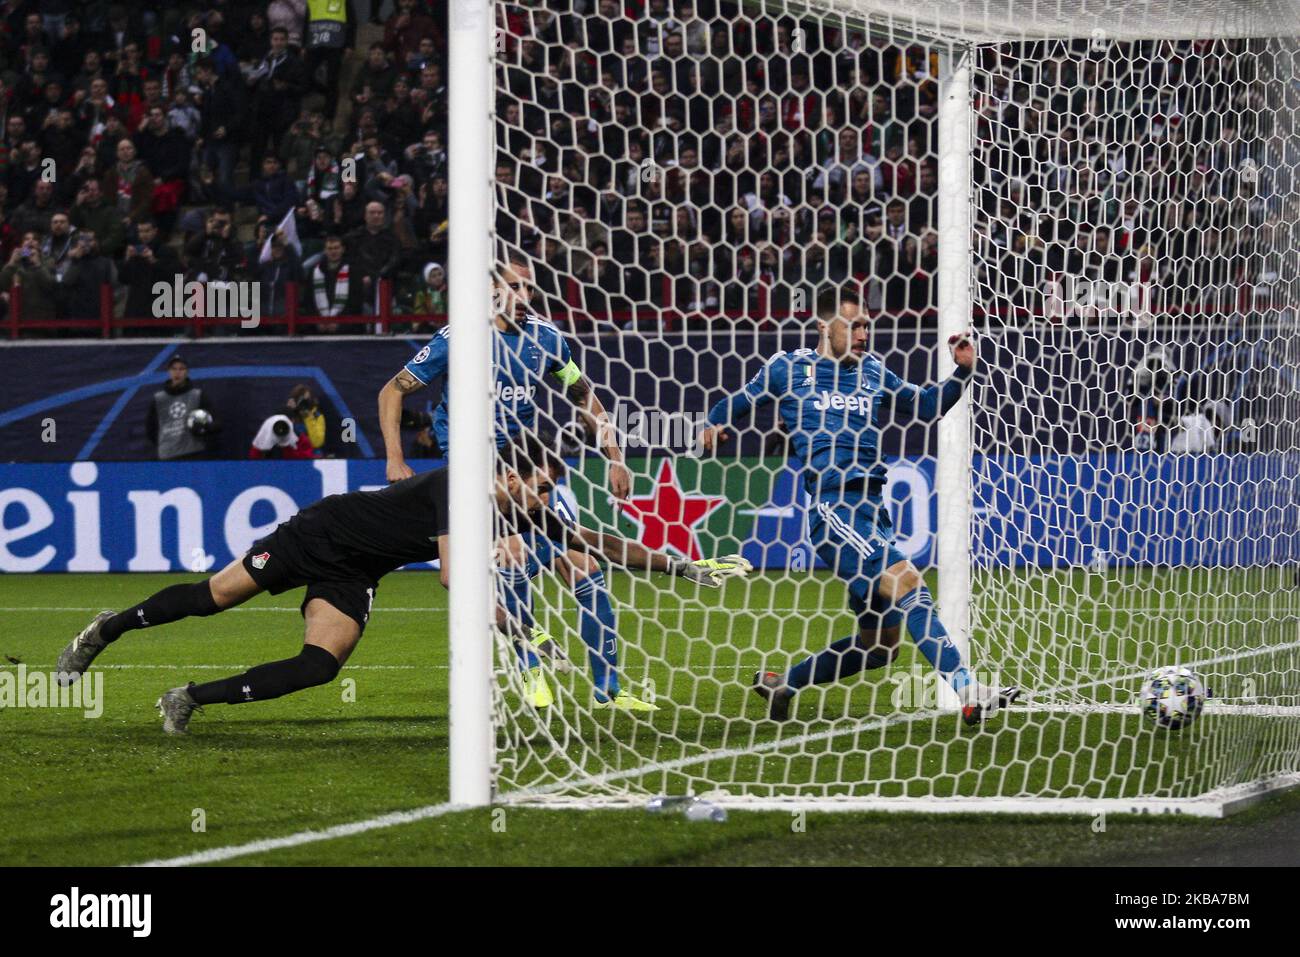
<point x="526" y="350"/>
<point x="833" y="401"/>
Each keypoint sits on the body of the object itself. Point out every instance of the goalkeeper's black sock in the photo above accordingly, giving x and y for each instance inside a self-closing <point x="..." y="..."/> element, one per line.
<point x="171" y="604"/>
<point x="312" y="666"/>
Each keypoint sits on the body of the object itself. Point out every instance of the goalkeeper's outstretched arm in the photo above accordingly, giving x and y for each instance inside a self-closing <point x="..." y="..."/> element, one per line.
<point x="629" y="554"/>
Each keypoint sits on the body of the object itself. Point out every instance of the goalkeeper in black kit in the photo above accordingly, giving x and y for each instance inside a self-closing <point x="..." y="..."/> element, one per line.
<point x="338" y="549"/>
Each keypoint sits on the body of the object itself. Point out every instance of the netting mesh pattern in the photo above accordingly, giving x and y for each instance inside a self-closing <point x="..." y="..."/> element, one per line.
<point x="684" y="181"/>
<point x="1136" y="261"/>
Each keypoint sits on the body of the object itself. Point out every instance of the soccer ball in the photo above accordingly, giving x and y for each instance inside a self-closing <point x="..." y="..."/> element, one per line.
<point x="1173" y="697"/>
<point x="198" y="421"/>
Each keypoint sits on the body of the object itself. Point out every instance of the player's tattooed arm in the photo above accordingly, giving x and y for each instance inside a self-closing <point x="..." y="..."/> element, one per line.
<point x="405" y="383"/>
<point x="593" y="413"/>
<point x="390" y="422"/>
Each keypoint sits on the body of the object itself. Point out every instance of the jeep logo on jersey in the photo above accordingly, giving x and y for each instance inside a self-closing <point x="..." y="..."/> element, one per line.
<point x="515" y="393"/>
<point x="838" y="400"/>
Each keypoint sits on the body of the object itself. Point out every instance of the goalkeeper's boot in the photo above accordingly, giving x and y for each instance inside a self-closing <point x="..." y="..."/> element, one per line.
<point x="82" y="650"/>
<point x="176" y="706"/>
<point x="623" y="701"/>
<point x="544" y="645"/>
<point x="536" y="691"/>
<point x="983" y="703"/>
<point x="771" y="687"/>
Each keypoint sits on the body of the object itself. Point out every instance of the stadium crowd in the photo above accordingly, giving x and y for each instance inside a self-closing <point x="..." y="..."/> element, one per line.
<point x="682" y="158"/>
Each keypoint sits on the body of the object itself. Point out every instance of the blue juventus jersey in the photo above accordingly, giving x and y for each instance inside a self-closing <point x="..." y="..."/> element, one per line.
<point x="834" y="411"/>
<point x="520" y="359"/>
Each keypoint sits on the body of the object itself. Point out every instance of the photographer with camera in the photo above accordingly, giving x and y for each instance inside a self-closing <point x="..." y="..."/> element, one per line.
<point x="309" y="422"/>
<point x="214" y="255"/>
<point x="1152" y="410"/>
<point x="180" y="421"/>
<point x="276" y="439"/>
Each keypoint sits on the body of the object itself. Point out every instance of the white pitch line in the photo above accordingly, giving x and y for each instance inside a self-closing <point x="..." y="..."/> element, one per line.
<point x="724" y="754"/>
<point x="878" y="724"/>
<point x="1212" y="706"/>
<point x="1217" y="660"/>
<point x="437" y="810"/>
<point x="216" y="854"/>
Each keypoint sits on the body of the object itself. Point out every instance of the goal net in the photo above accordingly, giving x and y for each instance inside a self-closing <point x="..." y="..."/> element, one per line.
<point x="1107" y="193"/>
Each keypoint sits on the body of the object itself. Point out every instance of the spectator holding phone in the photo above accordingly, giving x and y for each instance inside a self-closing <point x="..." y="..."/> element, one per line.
<point x="88" y="271"/>
<point x="92" y="213"/>
<point x="28" y="270"/>
<point x="148" y="260"/>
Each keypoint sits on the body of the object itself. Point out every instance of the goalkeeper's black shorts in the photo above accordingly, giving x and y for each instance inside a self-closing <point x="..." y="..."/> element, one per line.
<point x="293" y="556"/>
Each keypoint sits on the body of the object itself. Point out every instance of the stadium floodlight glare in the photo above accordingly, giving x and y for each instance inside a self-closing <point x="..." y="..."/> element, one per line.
<point x="1107" y="193"/>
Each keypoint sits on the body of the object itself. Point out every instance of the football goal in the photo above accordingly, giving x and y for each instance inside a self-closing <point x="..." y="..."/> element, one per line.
<point x="649" y="200"/>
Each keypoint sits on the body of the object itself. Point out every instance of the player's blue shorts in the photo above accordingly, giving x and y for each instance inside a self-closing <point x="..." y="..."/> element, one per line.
<point x="853" y="533"/>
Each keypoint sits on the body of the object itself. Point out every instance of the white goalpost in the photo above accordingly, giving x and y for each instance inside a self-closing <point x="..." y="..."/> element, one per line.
<point x="1107" y="194"/>
<point x="952" y="474"/>
<point x="469" y="396"/>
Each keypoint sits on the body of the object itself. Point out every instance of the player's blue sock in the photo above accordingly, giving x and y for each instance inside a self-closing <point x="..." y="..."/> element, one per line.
<point x="842" y="659"/>
<point x="932" y="639"/>
<point x="517" y="597"/>
<point x="599" y="630"/>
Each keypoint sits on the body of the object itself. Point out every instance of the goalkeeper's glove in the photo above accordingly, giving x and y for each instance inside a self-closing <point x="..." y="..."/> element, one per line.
<point x="710" y="571"/>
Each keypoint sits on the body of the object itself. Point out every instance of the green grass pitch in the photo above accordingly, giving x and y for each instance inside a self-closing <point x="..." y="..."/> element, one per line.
<point x="115" y="790"/>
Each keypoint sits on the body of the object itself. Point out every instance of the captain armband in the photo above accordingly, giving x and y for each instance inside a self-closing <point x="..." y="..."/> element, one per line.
<point x="569" y="374"/>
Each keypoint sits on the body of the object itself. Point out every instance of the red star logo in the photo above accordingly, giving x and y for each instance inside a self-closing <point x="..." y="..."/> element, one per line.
<point x="669" y="516"/>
